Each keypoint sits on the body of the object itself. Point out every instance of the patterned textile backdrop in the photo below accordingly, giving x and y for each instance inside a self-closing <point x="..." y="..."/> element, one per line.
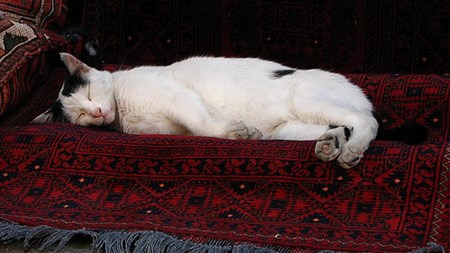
<point x="346" y="36"/>
<point x="24" y="50"/>
<point x="43" y="13"/>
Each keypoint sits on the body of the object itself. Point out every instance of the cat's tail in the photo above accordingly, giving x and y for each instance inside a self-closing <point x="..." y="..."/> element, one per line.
<point x="410" y="132"/>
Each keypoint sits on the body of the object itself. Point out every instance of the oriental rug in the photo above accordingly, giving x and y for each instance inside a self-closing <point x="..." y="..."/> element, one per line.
<point x="60" y="180"/>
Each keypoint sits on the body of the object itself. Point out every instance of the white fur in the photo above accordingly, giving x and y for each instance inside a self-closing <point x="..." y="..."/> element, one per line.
<point x="229" y="98"/>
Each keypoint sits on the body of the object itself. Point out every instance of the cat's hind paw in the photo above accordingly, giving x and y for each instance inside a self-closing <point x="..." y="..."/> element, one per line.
<point x="329" y="145"/>
<point x="350" y="156"/>
<point x="326" y="148"/>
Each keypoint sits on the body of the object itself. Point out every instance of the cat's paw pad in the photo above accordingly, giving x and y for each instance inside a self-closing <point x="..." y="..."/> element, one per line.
<point x="329" y="145"/>
<point x="254" y="133"/>
<point x="237" y="130"/>
<point x="350" y="156"/>
<point x="326" y="148"/>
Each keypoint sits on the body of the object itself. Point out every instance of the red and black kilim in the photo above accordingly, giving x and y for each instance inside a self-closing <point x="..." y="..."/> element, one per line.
<point x="265" y="192"/>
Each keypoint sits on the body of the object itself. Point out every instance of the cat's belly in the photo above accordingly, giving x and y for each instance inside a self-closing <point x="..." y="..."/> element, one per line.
<point x="132" y="124"/>
<point x="264" y="114"/>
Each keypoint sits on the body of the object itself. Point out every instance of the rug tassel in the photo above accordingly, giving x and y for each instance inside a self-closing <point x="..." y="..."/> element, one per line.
<point x="61" y="237"/>
<point x="430" y="248"/>
<point x="44" y="237"/>
<point x="12" y="232"/>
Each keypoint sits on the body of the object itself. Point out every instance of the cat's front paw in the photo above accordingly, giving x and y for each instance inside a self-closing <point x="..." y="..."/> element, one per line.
<point x="254" y="133"/>
<point x="329" y="145"/>
<point x="237" y="130"/>
<point x="350" y="156"/>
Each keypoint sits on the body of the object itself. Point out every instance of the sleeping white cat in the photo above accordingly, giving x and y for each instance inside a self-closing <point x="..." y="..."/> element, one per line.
<point x="239" y="98"/>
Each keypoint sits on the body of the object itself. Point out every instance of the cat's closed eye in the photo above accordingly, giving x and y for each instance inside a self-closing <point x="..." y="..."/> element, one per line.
<point x="81" y="115"/>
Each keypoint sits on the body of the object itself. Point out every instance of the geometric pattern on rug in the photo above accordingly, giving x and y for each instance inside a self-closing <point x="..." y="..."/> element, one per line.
<point x="264" y="192"/>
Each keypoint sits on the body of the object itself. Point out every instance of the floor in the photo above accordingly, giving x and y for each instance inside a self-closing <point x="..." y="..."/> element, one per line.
<point x="74" y="246"/>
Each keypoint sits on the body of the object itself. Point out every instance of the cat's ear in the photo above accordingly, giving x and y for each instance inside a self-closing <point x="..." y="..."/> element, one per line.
<point x="52" y="115"/>
<point x="46" y="117"/>
<point x="73" y="65"/>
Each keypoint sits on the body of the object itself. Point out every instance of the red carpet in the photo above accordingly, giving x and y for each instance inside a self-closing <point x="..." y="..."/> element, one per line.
<point x="70" y="177"/>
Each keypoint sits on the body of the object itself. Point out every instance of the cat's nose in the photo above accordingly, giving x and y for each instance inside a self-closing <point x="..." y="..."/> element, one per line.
<point x="97" y="113"/>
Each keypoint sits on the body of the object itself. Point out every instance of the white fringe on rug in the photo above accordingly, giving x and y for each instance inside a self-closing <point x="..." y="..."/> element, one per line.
<point x="45" y="237"/>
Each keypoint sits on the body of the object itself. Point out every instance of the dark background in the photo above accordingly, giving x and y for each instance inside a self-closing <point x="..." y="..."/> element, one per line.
<point x="347" y="36"/>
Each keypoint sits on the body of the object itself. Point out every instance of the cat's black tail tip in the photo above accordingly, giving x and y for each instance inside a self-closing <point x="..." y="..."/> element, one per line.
<point x="411" y="133"/>
<point x="414" y="133"/>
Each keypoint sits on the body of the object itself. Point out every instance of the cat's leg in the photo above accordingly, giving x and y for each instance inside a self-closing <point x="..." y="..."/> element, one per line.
<point x="363" y="128"/>
<point x="188" y="110"/>
<point x="330" y="138"/>
<point x="296" y="130"/>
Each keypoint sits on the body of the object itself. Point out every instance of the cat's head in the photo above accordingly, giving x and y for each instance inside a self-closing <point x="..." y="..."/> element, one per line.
<point x="86" y="97"/>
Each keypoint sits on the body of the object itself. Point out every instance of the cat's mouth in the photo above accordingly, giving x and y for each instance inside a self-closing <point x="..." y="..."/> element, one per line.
<point x="109" y="118"/>
<point x="103" y="119"/>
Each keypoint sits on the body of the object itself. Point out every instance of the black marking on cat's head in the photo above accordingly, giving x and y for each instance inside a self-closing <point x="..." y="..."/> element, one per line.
<point x="283" y="72"/>
<point x="77" y="74"/>
<point x="73" y="83"/>
<point x="57" y="110"/>
<point x="54" y="114"/>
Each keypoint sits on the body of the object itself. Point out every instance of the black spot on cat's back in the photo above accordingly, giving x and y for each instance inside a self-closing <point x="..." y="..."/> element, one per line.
<point x="72" y="84"/>
<point x="283" y="72"/>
